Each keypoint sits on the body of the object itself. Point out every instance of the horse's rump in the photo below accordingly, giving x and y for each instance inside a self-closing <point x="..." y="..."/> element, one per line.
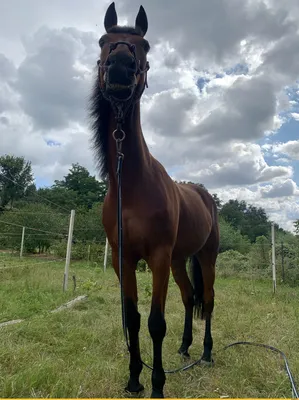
<point x="198" y="216"/>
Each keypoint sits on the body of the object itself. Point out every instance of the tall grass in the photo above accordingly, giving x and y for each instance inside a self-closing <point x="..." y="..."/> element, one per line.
<point x="81" y="352"/>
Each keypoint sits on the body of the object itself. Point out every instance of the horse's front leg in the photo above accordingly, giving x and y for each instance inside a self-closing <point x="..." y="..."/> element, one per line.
<point x="132" y="320"/>
<point x="159" y="264"/>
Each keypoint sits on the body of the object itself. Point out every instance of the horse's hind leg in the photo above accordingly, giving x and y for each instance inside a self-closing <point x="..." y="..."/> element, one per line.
<point x="207" y="261"/>
<point x="133" y="322"/>
<point x="181" y="278"/>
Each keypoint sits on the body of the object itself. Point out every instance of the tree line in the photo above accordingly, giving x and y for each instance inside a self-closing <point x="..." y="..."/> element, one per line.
<point x="45" y="214"/>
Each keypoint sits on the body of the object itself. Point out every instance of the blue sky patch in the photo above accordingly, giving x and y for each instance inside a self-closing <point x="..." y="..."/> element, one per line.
<point x="53" y="143"/>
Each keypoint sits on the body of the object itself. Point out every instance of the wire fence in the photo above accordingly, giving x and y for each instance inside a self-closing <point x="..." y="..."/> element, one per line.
<point x="39" y="231"/>
<point x="42" y="237"/>
<point x="274" y="257"/>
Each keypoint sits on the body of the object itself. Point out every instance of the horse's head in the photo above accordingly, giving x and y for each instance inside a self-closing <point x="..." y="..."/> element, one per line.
<point x="123" y="64"/>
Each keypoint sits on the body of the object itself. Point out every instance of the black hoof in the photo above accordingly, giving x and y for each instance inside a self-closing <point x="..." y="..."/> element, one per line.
<point x="134" y="388"/>
<point x="207" y="362"/>
<point x="157" y="395"/>
<point x="183" y="351"/>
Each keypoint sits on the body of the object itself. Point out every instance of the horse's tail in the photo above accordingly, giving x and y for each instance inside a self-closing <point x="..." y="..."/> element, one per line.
<point x="198" y="286"/>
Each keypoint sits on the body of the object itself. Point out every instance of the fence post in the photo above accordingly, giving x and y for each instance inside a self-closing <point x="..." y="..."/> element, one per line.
<point x="106" y="254"/>
<point x="273" y="257"/>
<point x="22" y="242"/>
<point x="68" y="251"/>
<point x="88" y="253"/>
<point x="282" y="261"/>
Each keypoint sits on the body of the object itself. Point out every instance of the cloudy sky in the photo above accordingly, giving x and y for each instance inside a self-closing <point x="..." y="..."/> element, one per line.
<point x="222" y="106"/>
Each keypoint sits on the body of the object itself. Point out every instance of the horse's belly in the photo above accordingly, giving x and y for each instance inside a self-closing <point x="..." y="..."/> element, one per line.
<point x="143" y="233"/>
<point x="193" y="231"/>
<point x="149" y="232"/>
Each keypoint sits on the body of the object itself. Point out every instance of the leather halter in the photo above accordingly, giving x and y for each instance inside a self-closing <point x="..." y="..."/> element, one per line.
<point x="139" y="71"/>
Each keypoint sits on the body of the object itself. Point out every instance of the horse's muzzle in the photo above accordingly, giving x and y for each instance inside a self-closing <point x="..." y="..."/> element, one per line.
<point x="120" y="76"/>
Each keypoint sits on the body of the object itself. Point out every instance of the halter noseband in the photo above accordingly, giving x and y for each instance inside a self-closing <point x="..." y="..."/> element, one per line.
<point x="132" y="49"/>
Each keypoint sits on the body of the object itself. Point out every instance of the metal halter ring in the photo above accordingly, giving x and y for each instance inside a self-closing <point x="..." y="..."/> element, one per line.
<point x="121" y="138"/>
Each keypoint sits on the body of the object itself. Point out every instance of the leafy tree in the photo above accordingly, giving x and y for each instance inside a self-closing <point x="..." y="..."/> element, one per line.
<point x="231" y="238"/>
<point x="217" y="201"/>
<point x="256" y="223"/>
<point x="248" y="219"/>
<point x="88" y="225"/>
<point x="296" y="224"/>
<point x="233" y="212"/>
<point x="87" y="188"/>
<point x="58" y="198"/>
<point x="16" y="179"/>
<point x="192" y="183"/>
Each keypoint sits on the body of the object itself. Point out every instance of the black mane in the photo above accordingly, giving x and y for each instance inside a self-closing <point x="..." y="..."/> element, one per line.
<point x="99" y="110"/>
<point x="98" y="113"/>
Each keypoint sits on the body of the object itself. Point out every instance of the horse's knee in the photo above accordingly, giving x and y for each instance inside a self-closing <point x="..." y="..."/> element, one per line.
<point x="157" y="325"/>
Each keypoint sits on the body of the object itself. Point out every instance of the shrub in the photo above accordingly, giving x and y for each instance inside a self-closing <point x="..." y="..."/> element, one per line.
<point x="260" y="253"/>
<point x="231" y="239"/>
<point x="231" y="262"/>
<point x="80" y="251"/>
<point x="142" y="266"/>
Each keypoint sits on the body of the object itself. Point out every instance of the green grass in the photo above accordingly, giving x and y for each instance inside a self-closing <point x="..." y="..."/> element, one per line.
<point x="30" y="286"/>
<point x="81" y="352"/>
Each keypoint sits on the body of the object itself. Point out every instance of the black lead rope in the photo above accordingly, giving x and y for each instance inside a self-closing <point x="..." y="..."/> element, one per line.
<point x="266" y="346"/>
<point x="120" y="158"/>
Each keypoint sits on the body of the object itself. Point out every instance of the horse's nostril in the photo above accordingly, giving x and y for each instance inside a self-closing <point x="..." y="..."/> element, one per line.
<point x="133" y="64"/>
<point x="121" y="60"/>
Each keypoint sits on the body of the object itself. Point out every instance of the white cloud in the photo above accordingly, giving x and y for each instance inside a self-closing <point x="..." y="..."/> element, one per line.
<point x="282" y="210"/>
<point x="290" y="149"/>
<point x="240" y="165"/>
<point x="52" y="86"/>
<point x="280" y="189"/>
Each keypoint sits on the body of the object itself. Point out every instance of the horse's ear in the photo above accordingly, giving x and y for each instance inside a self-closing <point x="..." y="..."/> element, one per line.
<point x="110" y="17"/>
<point x="141" y="21"/>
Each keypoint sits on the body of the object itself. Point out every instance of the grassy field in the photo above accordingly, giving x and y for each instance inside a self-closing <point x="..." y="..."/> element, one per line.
<point x="80" y="352"/>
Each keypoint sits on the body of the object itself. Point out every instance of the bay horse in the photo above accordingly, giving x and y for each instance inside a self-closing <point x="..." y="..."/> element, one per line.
<point x="165" y="223"/>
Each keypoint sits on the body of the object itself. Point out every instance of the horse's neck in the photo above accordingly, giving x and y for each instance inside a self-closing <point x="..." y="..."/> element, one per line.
<point x="136" y="154"/>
